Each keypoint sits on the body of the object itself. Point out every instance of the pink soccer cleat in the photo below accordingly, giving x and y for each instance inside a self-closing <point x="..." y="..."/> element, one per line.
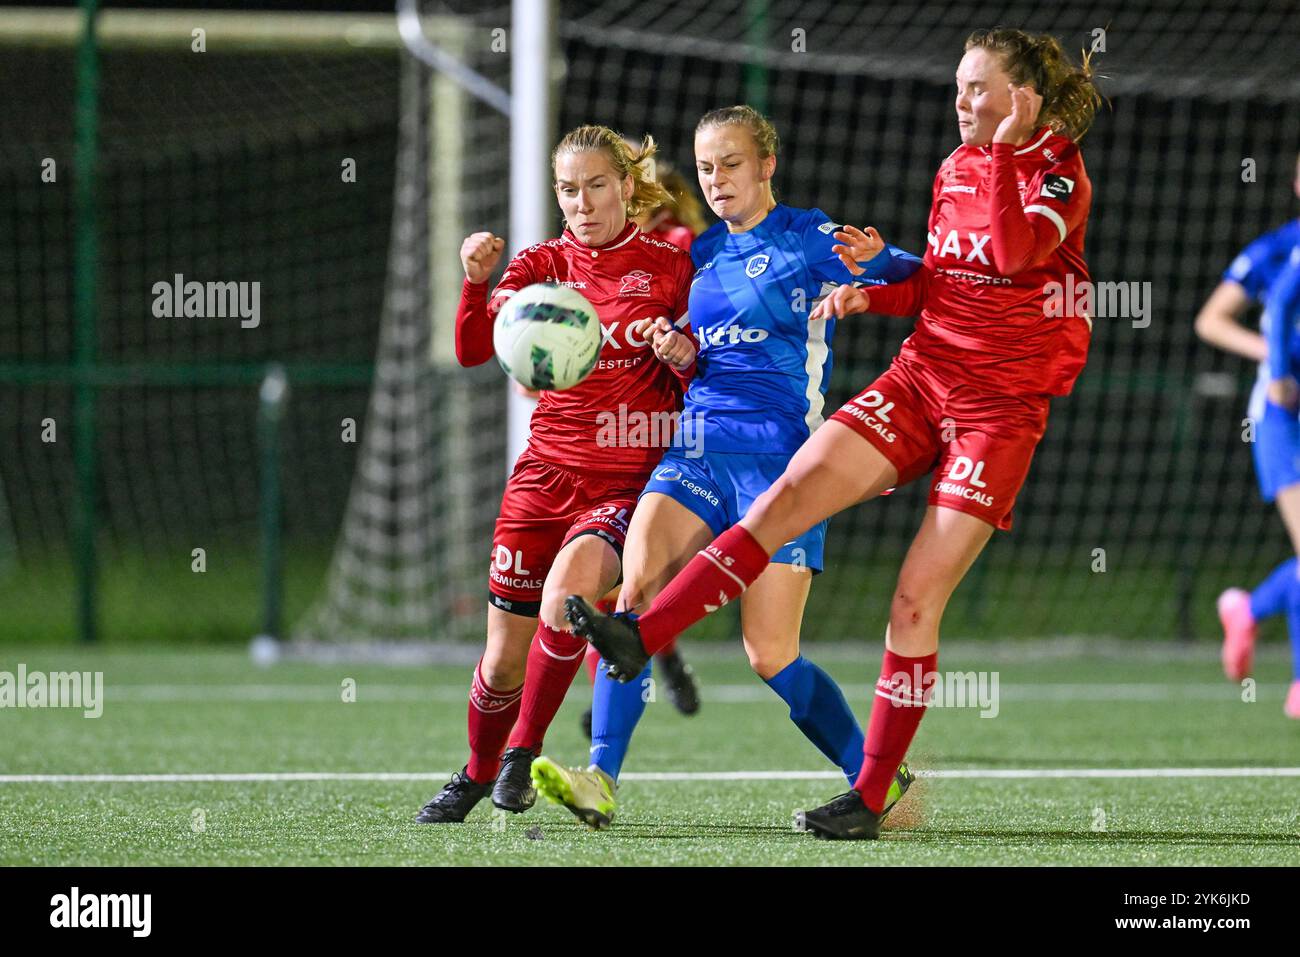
<point x="1238" y="633"/>
<point x="1292" y="707"/>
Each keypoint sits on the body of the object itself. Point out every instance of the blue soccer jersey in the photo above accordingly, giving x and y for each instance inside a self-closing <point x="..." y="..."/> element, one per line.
<point x="762" y="367"/>
<point x="1256" y="269"/>
<point x="1280" y="321"/>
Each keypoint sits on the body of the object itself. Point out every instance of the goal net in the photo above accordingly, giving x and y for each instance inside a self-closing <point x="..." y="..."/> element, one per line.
<point x="1140" y="505"/>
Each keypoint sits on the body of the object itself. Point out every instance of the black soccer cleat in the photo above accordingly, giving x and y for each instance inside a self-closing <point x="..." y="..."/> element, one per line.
<point x="846" y="818"/>
<point x="454" y="802"/>
<point x="615" y="636"/>
<point x="514" y="789"/>
<point x="679" y="681"/>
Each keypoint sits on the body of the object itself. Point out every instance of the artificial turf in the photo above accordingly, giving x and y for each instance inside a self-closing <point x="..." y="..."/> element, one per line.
<point x="209" y="712"/>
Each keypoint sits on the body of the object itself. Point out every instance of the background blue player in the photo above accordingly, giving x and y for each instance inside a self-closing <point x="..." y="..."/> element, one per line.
<point x="1266" y="271"/>
<point x="758" y="392"/>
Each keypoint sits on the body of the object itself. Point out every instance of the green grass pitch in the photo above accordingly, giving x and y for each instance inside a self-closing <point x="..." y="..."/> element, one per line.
<point x="211" y="712"/>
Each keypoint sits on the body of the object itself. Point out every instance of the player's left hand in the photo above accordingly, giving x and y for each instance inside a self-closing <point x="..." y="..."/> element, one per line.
<point x="857" y="246"/>
<point x="670" y="344"/>
<point x="1017" y="125"/>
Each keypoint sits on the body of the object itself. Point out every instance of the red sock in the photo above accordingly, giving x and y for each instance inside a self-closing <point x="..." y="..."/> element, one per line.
<point x="892" y="726"/>
<point x="553" y="660"/>
<point x="491" y="715"/>
<point x="717" y="574"/>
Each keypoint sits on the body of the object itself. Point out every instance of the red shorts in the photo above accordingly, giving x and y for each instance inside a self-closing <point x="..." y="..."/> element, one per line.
<point x="544" y="508"/>
<point x="979" y="443"/>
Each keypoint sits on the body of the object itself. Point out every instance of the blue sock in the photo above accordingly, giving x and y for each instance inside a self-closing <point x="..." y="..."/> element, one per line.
<point x="615" y="710"/>
<point x="1270" y="596"/>
<point x="818" y="709"/>
<point x="1293" y="627"/>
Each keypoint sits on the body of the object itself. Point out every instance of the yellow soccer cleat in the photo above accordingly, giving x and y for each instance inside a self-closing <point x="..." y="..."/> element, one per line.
<point x="588" y="793"/>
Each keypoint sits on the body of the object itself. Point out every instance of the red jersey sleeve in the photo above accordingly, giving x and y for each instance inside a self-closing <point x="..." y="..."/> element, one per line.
<point x="475" y="314"/>
<point x="527" y="267"/>
<point x="473" y="325"/>
<point x="904" y="298"/>
<point x="1056" y="201"/>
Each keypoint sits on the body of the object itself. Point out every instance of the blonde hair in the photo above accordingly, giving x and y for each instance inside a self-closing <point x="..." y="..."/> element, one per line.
<point x="647" y="193"/>
<point x="1070" y="98"/>
<point x="759" y="126"/>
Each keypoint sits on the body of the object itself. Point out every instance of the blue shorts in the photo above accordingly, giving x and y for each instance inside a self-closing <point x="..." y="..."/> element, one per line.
<point x="719" y="487"/>
<point x="1277" y="450"/>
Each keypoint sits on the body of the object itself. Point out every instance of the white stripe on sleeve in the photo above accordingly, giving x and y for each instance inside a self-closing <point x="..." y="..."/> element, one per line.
<point x="1051" y="214"/>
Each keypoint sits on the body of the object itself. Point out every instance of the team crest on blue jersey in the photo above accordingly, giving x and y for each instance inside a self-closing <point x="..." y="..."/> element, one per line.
<point x="668" y="474"/>
<point x="755" y="266"/>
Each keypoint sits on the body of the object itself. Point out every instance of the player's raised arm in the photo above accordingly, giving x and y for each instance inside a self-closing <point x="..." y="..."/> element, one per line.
<point x="1025" y="232"/>
<point x="479" y="255"/>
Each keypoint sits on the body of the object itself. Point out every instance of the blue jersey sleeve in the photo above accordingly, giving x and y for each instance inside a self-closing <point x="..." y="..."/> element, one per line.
<point x="1251" y="267"/>
<point x="890" y="265"/>
<point x="1280" y="314"/>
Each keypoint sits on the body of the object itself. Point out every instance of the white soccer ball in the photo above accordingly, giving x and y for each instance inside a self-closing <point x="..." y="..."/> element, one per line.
<point x="547" y="337"/>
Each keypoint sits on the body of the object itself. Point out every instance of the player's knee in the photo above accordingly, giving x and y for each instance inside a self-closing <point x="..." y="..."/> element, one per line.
<point x="767" y="662"/>
<point x="552" y="610"/>
<point x="911" y="611"/>
<point x="502" y="671"/>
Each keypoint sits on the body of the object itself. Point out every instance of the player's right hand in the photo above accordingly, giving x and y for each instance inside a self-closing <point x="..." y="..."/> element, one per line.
<point x="479" y="254"/>
<point x="840" y="302"/>
<point x="1285" y="393"/>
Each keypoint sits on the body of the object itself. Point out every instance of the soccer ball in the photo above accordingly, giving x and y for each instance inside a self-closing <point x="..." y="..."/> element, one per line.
<point x="547" y="337"/>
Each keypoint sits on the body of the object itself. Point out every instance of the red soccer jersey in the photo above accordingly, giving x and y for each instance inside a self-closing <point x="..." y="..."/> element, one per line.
<point x="1004" y="267"/>
<point x="606" y="422"/>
